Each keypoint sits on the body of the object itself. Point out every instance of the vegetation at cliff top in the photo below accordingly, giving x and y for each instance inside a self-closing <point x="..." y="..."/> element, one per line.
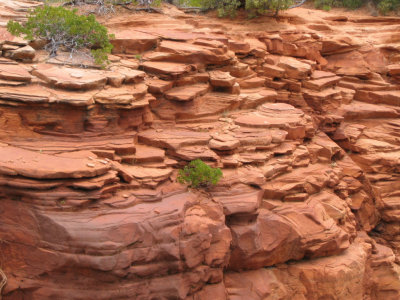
<point x="224" y="7"/>
<point x="230" y="7"/>
<point x="105" y="2"/>
<point x="199" y="175"/>
<point x="253" y="7"/>
<point x="328" y="4"/>
<point x="384" y="6"/>
<point x="65" y="29"/>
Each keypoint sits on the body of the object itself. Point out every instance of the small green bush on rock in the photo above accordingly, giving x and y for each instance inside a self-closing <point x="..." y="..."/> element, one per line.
<point x="199" y="174"/>
<point x="64" y="28"/>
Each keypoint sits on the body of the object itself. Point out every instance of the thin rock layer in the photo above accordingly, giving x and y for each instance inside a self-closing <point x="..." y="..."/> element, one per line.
<point x="302" y="119"/>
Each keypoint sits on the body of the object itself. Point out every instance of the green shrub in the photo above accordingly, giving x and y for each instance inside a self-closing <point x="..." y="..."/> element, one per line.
<point x="328" y="4"/>
<point x="229" y="7"/>
<point x="384" y="6"/>
<point x="260" y="6"/>
<point x="64" y="28"/>
<point x="190" y="3"/>
<point x="323" y="4"/>
<point x="224" y="7"/>
<point x="352" y="4"/>
<point x="114" y="2"/>
<point x="199" y="174"/>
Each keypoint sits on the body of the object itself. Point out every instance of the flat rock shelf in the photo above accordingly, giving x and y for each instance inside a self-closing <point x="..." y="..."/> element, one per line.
<point x="301" y="113"/>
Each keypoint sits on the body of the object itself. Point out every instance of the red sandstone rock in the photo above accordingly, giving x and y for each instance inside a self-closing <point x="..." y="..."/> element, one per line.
<point x="288" y="118"/>
<point x="251" y="98"/>
<point x="26" y="53"/>
<point x="338" y="45"/>
<point x="273" y="71"/>
<point x="173" y="138"/>
<point x="16" y="161"/>
<point x="254" y="82"/>
<point x="148" y="173"/>
<point x="394" y="70"/>
<point x="132" y="42"/>
<point x="347" y="269"/>
<point x="187" y="92"/>
<point x="223" y="142"/>
<point x="148" y="154"/>
<point x="221" y="79"/>
<point x="94" y="228"/>
<point x="319" y="84"/>
<point x="157" y="86"/>
<point x="128" y="74"/>
<point x="306" y="168"/>
<point x="193" y="79"/>
<point x="24" y="94"/>
<point x="210" y="104"/>
<point x="14" y="72"/>
<point x="327" y="99"/>
<point x="190" y="153"/>
<point x="192" y="53"/>
<point x="294" y="68"/>
<point x="381" y="97"/>
<point x="240" y="199"/>
<point x="241" y="47"/>
<point x="70" y="78"/>
<point x="166" y="69"/>
<point x="359" y="110"/>
<point x="283" y="240"/>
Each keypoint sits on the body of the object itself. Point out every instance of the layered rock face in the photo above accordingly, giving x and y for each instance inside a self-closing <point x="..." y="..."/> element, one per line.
<point x="302" y="121"/>
<point x="15" y="10"/>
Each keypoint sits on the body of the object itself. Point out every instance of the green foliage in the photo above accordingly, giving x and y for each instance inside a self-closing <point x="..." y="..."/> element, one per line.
<point x="199" y="174"/>
<point x="328" y="4"/>
<point x="224" y="7"/>
<point x="116" y="2"/>
<point x="324" y="4"/>
<point x="254" y="7"/>
<point x="104" y="7"/>
<point x="384" y="6"/>
<point x="190" y="3"/>
<point x="260" y="6"/>
<point x="65" y="28"/>
<point x="352" y="4"/>
<point x="155" y="3"/>
<point x="53" y="1"/>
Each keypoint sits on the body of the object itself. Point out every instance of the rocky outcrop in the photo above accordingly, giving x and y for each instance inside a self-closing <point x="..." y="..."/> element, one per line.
<point x="345" y="276"/>
<point x="15" y="10"/>
<point x="307" y="206"/>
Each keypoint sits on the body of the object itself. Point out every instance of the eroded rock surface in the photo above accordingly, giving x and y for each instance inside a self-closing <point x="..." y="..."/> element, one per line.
<point x="302" y="118"/>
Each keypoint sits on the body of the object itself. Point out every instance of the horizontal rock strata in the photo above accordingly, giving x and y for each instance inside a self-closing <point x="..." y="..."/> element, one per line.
<point x="302" y="118"/>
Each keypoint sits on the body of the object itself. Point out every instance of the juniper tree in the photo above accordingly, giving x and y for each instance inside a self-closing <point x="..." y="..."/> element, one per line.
<point x="64" y="28"/>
